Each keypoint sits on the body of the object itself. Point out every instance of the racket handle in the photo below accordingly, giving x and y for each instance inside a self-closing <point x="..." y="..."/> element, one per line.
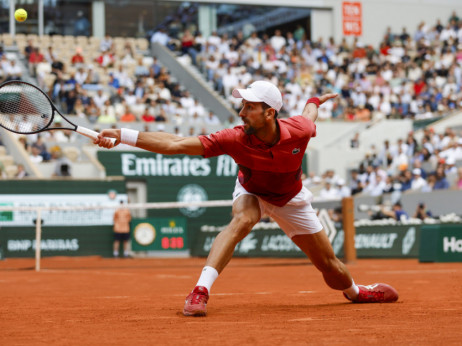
<point x="90" y="133"/>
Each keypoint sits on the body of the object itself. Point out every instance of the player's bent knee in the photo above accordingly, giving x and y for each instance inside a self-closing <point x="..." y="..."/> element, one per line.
<point x="242" y="225"/>
<point x="244" y="221"/>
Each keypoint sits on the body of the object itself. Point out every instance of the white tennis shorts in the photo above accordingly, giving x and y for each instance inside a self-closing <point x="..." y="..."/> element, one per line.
<point x="295" y="218"/>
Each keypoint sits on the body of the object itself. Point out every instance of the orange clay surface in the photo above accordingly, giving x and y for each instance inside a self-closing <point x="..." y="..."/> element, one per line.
<point x="95" y="301"/>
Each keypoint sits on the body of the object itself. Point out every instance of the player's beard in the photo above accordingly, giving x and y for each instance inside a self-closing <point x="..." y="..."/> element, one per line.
<point x="249" y="130"/>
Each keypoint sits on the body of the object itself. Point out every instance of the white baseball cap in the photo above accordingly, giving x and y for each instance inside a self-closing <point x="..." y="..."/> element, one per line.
<point x="261" y="91"/>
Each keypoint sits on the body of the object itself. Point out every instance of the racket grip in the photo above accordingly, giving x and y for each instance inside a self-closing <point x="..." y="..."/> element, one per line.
<point x="91" y="134"/>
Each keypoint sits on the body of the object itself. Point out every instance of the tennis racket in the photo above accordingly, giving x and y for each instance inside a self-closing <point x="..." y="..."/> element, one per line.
<point x="26" y="109"/>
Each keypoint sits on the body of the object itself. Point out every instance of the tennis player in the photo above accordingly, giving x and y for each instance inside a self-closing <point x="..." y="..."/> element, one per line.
<point x="269" y="153"/>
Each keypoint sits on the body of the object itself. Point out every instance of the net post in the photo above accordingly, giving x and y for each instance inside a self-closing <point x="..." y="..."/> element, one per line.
<point x="38" y="238"/>
<point x="348" y="216"/>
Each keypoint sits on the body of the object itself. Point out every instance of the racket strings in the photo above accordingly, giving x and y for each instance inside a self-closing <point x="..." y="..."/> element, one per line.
<point x="24" y="108"/>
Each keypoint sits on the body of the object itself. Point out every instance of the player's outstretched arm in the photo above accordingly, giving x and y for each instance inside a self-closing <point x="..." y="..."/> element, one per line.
<point x="158" y="142"/>
<point x="311" y="109"/>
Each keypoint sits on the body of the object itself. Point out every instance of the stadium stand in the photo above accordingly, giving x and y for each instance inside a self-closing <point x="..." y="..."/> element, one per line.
<point x="116" y="80"/>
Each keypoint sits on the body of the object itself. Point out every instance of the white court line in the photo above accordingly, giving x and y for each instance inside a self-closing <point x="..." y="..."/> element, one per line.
<point x="419" y="271"/>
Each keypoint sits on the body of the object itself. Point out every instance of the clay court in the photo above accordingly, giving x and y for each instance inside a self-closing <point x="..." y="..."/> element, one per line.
<point x="96" y="301"/>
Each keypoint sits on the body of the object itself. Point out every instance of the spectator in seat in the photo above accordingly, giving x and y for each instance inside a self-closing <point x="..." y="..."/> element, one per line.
<point x="140" y="69"/>
<point x="21" y="173"/>
<point x="63" y="166"/>
<point x="328" y="192"/>
<point x="128" y="116"/>
<point x="28" y="49"/>
<point x="93" y="76"/>
<point x="188" y="45"/>
<point x="106" y="43"/>
<point x="107" y="114"/>
<point x="81" y="75"/>
<point x="77" y="58"/>
<point x="212" y="119"/>
<point x="106" y="59"/>
<point x="35" y="156"/>
<point x="147" y="117"/>
<point x="396" y="213"/>
<point x="422" y="212"/>
<point x="418" y="182"/>
<point x="35" y="58"/>
<point x="13" y="72"/>
<point x="441" y="181"/>
<point x="161" y="117"/>
<point x="344" y="191"/>
<point x="40" y="144"/>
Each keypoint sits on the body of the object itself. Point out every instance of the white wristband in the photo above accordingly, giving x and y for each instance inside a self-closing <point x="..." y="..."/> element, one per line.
<point x="128" y="136"/>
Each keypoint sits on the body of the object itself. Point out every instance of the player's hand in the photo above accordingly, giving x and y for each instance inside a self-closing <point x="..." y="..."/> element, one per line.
<point x="326" y="97"/>
<point x="103" y="140"/>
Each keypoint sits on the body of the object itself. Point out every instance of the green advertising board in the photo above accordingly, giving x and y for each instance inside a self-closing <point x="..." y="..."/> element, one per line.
<point x="159" y="234"/>
<point x="401" y="241"/>
<point x="57" y="241"/>
<point x="268" y="240"/>
<point x="441" y="243"/>
<point x="265" y="240"/>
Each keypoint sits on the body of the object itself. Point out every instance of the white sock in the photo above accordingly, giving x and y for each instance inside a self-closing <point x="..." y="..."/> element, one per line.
<point x="353" y="291"/>
<point x="115" y="253"/>
<point x="208" y="277"/>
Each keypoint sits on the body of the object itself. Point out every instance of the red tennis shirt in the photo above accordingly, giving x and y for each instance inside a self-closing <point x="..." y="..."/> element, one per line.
<point x="270" y="172"/>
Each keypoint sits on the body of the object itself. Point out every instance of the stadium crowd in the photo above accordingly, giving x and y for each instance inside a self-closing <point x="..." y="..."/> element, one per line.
<point x="414" y="76"/>
<point x="407" y="165"/>
<point x="408" y="75"/>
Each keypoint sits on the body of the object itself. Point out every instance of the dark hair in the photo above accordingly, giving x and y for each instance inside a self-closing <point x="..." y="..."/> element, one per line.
<point x="266" y="106"/>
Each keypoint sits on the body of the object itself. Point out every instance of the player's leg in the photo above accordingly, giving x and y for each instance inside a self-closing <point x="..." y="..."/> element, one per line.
<point x="246" y="213"/>
<point x="319" y="250"/>
<point x="300" y="222"/>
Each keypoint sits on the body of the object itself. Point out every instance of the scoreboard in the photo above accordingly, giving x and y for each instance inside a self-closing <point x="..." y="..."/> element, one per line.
<point x="159" y="234"/>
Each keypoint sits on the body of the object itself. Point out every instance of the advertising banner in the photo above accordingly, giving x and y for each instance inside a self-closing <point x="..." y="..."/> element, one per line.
<point x="60" y="217"/>
<point x="60" y="193"/>
<point x="265" y="240"/>
<point x="268" y="240"/>
<point x="64" y="233"/>
<point x="352" y="18"/>
<point x="441" y="243"/>
<point x="383" y="242"/>
<point x="57" y="241"/>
